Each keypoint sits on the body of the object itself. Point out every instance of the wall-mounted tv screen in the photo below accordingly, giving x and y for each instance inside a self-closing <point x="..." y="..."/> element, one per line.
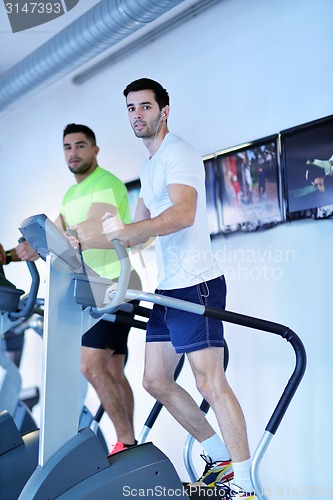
<point x="248" y="176"/>
<point x="212" y="194"/>
<point x="307" y="156"/>
<point x="133" y="189"/>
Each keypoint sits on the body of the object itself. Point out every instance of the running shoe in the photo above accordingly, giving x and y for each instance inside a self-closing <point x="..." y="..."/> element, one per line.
<point x="214" y="472"/>
<point x="119" y="446"/>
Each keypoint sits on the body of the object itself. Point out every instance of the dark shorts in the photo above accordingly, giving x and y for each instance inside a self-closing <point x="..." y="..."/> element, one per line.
<point x="188" y="331"/>
<point x="108" y="335"/>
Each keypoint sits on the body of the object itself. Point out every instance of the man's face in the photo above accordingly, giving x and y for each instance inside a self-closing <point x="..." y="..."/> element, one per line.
<point x="144" y="113"/>
<point x="79" y="152"/>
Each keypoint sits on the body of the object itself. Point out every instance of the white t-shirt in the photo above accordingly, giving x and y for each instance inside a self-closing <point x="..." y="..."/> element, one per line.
<point x="184" y="258"/>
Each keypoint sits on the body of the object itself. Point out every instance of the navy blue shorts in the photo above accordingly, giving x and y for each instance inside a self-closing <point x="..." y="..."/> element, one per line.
<point x="188" y="331"/>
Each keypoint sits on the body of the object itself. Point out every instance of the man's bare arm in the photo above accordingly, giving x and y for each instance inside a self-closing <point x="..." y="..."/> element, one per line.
<point x="90" y="232"/>
<point x="177" y="217"/>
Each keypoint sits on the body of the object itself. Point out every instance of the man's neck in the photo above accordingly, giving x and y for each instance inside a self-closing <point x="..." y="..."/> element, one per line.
<point x="81" y="177"/>
<point x="153" y="143"/>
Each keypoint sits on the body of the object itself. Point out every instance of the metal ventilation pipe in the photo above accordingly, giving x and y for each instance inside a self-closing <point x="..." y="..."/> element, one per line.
<point x="101" y="27"/>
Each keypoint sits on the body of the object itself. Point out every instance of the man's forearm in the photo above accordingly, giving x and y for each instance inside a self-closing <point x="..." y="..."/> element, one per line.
<point x="96" y="241"/>
<point x="170" y="221"/>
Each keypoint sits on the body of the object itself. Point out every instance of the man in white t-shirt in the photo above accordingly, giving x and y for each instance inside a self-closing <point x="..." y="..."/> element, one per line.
<point x="172" y="209"/>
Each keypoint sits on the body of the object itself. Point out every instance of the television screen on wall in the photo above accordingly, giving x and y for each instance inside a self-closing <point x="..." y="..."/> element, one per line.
<point x="307" y="159"/>
<point x="249" y="185"/>
<point x="133" y="189"/>
<point x="212" y="198"/>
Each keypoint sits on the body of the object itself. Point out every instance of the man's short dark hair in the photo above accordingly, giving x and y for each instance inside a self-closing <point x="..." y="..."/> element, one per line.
<point x="161" y="95"/>
<point x="74" y="128"/>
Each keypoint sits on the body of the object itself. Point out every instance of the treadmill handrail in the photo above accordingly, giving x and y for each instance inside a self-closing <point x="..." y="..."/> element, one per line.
<point x="121" y="289"/>
<point x="28" y="307"/>
<point x="250" y="322"/>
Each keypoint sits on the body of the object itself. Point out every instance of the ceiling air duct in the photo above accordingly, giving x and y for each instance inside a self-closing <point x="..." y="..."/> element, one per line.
<point x="100" y="28"/>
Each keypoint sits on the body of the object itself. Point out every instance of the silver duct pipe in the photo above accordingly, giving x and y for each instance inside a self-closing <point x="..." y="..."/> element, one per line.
<point x="101" y="27"/>
<point x="144" y="40"/>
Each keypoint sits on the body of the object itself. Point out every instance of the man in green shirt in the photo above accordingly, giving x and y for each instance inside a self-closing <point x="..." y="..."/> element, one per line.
<point x="104" y="346"/>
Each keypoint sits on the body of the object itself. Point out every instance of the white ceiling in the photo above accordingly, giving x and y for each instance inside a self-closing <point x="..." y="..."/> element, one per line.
<point x="16" y="46"/>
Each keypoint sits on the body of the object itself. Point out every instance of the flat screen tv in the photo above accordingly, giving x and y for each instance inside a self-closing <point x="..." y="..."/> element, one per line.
<point x="212" y="198"/>
<point x="133" y="189"/>
<point x="249" y="185"/>
<point x="307" y="160"/>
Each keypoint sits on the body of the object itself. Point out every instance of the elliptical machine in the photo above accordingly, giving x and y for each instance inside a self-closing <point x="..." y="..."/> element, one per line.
<point x="18" y="402"/>
<point x="19" y="432"/>
<point x="72" y="465"/>
<point x="16" y="417"/>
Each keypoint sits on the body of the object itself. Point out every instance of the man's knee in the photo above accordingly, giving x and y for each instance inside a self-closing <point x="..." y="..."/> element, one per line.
<point x="152" y="385"/>
<point x="158" y="386"/>
<point x="88" y="370"/>
<point x="92" y="363"/>
<point x="211" y="387"/>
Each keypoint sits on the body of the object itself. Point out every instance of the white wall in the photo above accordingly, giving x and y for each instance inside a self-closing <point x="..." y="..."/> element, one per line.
<point x="238" y="72"/>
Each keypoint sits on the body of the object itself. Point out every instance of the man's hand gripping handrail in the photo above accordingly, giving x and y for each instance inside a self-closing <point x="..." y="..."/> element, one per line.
<point x="117" y="296"/>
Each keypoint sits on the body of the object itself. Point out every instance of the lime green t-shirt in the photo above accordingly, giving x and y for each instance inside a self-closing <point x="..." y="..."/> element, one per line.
<point x="100" y="187"/>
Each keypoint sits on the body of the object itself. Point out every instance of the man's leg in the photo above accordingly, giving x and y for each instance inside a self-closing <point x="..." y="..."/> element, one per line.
<point x="214" y="387"/>
<point x="160" y="364"/>
<point x="94" y="365"/>
<point x="115" y="366"/>
<point x="161" y="360"/>
<point x="207" y="367"/>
